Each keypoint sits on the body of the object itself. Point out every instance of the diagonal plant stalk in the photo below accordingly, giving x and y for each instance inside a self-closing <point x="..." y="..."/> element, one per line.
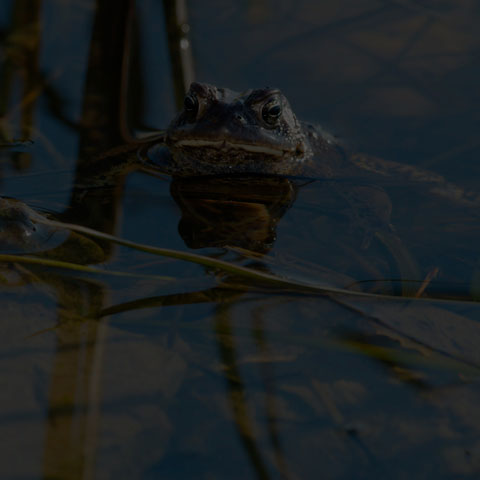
<point x="48" y="262"/>
<point x="245" y="272"/>
<point x="266" y="279"/>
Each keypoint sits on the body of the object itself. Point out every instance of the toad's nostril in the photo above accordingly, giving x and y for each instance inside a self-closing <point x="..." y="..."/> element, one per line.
<point x="300" y="149"/>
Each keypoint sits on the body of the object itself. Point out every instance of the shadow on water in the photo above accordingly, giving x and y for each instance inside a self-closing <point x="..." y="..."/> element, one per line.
<point x="70" y="440"/>
<point x="21" y="67"/>
<point x="204" y="372"/>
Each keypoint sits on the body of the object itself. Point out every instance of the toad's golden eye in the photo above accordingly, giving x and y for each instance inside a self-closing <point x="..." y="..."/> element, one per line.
<point x="271" y="112"/>
<point x="190" y="104"/>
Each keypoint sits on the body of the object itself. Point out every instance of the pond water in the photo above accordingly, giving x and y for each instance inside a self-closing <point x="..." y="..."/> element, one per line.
<point x="150" y="367"/>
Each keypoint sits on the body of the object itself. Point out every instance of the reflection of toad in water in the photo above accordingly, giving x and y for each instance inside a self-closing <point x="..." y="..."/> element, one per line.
<point x="232" y="211"/>
<point x="229" y="153"/>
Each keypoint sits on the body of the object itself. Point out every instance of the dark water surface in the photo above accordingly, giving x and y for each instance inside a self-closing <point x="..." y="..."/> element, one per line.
<point x="174" y="370"/>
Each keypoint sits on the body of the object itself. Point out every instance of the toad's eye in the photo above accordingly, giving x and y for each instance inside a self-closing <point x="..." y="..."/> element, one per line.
<point x="271" y="112"/>
<point x="190" y="104"/>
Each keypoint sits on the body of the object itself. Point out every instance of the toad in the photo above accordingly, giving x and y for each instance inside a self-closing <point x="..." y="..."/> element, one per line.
<point x="223" y="132"/>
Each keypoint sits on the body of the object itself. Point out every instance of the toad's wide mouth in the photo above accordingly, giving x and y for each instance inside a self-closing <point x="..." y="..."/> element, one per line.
<point x="226" y="146"/>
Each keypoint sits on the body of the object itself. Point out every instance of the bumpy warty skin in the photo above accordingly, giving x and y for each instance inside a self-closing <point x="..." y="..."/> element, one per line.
<point x="220" y="131"/>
